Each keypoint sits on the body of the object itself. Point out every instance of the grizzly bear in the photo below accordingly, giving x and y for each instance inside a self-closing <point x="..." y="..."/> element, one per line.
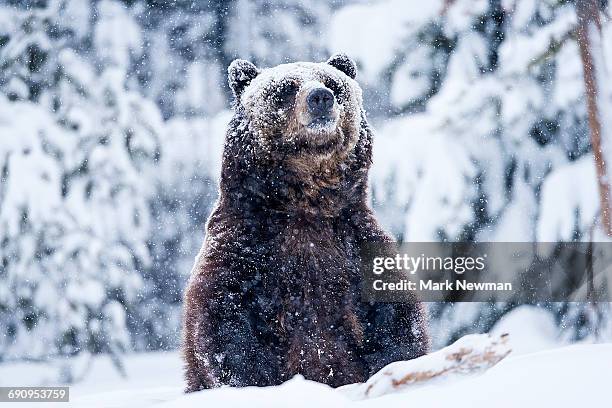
<point x="275" y="289"/>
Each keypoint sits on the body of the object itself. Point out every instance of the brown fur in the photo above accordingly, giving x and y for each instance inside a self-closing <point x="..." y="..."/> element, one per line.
<point x="275" y="289"/>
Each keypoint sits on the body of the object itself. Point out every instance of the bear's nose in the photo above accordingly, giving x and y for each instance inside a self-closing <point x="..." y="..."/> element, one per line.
<point x="320" y="101"/>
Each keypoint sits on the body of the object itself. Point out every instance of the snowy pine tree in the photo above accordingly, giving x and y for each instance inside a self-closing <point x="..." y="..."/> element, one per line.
<point x="74" y="219"/>
<point x="492" y="141"/>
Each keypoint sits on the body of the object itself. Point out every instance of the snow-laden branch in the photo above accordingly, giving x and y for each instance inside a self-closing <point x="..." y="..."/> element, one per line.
<point x="470" y="354"/>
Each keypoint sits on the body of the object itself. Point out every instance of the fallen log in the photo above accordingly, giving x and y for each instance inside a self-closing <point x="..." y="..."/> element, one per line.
<point x="470" y="354"/>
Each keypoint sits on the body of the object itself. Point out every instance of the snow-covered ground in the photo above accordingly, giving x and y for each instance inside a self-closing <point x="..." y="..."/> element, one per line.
<point x="539" y="371"/>
<point x="150" y="377"/>
<point x="566" y="377"/>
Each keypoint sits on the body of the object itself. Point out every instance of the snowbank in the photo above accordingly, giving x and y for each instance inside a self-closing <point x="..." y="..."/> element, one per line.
<point x="530" y="329"/>
<point x="566" y="377"/>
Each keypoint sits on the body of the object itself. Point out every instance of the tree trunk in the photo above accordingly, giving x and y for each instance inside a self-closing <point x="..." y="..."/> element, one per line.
<point x="591" y="53"/>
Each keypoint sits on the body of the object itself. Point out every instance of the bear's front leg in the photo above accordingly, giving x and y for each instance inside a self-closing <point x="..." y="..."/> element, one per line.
<point x="394" y="332"/>
<point x="221" y="343"/>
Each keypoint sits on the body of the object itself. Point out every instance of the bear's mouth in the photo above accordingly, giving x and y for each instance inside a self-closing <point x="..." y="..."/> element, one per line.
<point x="322" y="124"/>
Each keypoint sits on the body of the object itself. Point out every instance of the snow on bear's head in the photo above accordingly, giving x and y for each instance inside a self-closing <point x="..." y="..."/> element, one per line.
<point x="301" y="106"/>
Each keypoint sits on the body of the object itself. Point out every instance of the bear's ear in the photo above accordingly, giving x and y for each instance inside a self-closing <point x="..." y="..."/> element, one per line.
<point x="343" y="63"/>
<point x="240" y="73"/>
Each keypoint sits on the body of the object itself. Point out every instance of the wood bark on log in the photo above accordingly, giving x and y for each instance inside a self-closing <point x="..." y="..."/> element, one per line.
<point x="470" y="354"/>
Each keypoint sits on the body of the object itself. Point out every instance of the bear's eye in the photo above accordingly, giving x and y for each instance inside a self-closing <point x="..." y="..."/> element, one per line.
<point x="285" y="93"/>
<point x="336" y="87"/>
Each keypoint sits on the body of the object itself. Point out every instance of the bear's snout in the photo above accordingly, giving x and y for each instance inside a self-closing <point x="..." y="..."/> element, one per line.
<point x="320" y="102"/>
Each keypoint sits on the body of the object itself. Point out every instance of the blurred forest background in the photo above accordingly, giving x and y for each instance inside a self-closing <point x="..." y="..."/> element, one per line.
<point x="112" y="118"/>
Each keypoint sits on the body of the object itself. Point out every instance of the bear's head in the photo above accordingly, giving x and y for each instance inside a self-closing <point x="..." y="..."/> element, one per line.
<point x="307" y="109"/>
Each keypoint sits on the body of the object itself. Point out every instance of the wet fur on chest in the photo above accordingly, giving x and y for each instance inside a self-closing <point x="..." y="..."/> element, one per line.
<point x="319" y="188"/>
<point x="314" y="272"/>
<point x="316" y="188"/>
<point x="315" y="261"/>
